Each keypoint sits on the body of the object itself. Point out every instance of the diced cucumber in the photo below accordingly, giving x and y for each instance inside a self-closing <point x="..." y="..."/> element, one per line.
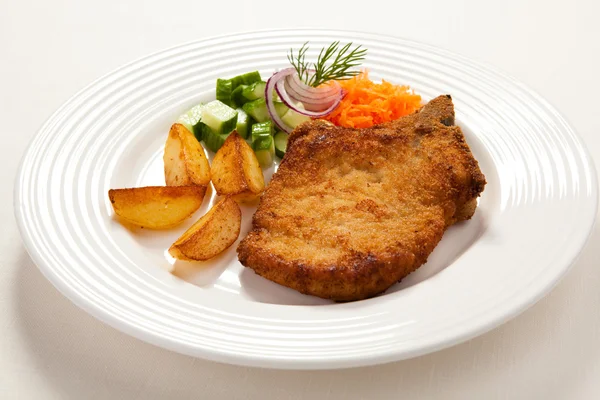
<point x="246" y="79"/>
<point x="262" y="128"/>
<point x="191" y="117"/>
<point x="255" y="91"/>
<point x="257" y="109"/>
<point x="243" y="123"/>
<point x="212" y="139"/>
<point x="280" y="139"/>
<point x="280" y="108"/>
<point x="199" y="129"/>
<point x="264" y="149"/>
<point x="224" y="90"/>
<point x="219" y="117"/>
<point x="264" y="157"/>
<point x="236" y="96"/>
<point x="292" y="118"/>
<point x="226" y="87"/>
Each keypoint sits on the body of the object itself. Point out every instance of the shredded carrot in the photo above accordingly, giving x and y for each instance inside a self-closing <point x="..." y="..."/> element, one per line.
<point x="367" y="103"/>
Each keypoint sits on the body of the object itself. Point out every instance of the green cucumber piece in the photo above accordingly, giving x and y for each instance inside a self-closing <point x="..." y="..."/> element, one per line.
<point x="212" y="139"/>
<point x="280" y="139"/>
<point x="246" y="79"/>
<point x="251" y="77"/>
<point x="199" y="129"/>
<point x="255" y="91"/>
<point x="280" y="108"/>
<point x="191" y="117"/>
<point x="263" y="142"/>
<point x="219" y="117"/>
<point x="243" y="123"/>
<point x="224" y="90"/>
<point x="262" y="128"/>
<point x="226" y="87"/>
<point x="264" y="149"/>
<point x="264" y="157"/>
<point x="257" y="109"/>
<point x="236" y="96"/>
<point x="292" y="118"/>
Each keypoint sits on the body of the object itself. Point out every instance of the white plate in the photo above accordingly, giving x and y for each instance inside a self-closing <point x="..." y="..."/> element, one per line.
<point x="533" y="219"/>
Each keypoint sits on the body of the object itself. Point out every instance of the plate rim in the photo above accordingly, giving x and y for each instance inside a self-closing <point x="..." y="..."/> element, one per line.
<point x="282" y="363"/>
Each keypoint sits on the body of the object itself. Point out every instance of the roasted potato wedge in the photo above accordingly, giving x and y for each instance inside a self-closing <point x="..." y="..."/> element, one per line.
<point x="156" y="207"/>
<point x="212" y="234"/>
<point x="184" y="159"/>
<point x="235" y="170"/>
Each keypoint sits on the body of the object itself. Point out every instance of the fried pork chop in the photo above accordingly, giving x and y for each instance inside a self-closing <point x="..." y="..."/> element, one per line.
<point x="352" y="211"/>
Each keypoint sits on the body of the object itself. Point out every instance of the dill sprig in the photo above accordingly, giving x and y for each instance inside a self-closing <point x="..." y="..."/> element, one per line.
<point x="299" y="62"/>
<point x="333" y="63"/>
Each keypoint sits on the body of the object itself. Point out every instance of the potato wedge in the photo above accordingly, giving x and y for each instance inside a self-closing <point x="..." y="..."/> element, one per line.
<point x="235" y="170"/>
<point x="212" y="234"/>
<point x="184" y="159"/>
<point x="156" y="207"/>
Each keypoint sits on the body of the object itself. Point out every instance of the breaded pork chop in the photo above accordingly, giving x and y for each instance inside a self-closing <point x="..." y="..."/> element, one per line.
<point x="352" y="211"/>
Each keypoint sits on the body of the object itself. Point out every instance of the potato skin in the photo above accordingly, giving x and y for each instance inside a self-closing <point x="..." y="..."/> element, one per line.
<point x="185" y="163"/>
<point x="156" y="207"/>
<point x="212" y="234"/>
<point x="235" y="170"/>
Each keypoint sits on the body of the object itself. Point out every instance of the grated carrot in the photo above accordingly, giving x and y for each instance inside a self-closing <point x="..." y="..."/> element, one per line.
<point x="367" y="103"/>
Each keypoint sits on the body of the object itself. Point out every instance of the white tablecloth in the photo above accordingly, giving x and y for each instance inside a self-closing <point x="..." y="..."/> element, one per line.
<point x="49" y="349"/>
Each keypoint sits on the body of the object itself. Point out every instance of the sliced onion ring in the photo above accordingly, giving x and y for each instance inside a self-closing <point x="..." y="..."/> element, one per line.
<point x="271" y="83"/>
<point x="316" y="102"/>
<point x="314" y="99"/>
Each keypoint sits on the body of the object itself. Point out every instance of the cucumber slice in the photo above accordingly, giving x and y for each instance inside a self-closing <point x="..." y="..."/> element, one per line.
<point x="219" y="117"/>
<point x="212" y="139"/>
<point x="243" y="123"/>
<point x="246" y="79"/>
<point x="199" y="129"/>
<point x="191" y="117"/>
<point x="292" y="118"/>
<point x="226" y="87"/>
<point x="262" y="129"/>
<point x="280" y="139"/>
<point x="255" y="91"/>
<point x="224" y="90"/>
<point x="257" y="109"/>
<point x="236" y="96"/>
<point x="280" y="108"/>
<point x="264" y="157"/>
<point x="264" y="148"/>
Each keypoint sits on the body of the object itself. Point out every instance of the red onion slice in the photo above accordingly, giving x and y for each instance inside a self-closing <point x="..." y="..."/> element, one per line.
<point x="316" y="102"/>
<point x="271" y="83"/>
<point x="314" y="99"/>
<point x="291" y="103"/>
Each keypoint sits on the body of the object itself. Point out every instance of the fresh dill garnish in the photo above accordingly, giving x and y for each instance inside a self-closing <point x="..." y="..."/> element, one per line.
<point x="299" y="62"/>
<point x="340" y="60"/>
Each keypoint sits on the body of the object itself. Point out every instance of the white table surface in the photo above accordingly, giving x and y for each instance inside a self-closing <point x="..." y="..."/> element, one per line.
<point x="49" y="349"/>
